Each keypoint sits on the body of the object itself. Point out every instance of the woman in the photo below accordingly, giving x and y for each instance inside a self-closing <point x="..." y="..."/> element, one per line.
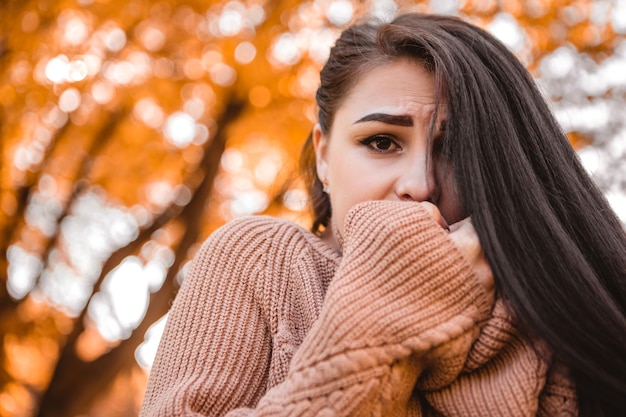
<point x="431" y="138"/>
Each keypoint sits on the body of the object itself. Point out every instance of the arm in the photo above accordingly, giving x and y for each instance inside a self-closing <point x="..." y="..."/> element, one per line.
<point x="402" y="292"/>
<point x="216" y="349"/>
<point x="404" y="304"/>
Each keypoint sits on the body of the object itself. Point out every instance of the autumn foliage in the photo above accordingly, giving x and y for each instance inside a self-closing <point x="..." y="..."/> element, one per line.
<point x="130" y="130"/>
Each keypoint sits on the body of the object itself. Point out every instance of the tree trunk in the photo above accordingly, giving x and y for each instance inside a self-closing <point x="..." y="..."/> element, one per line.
<point x="57" y="401"/>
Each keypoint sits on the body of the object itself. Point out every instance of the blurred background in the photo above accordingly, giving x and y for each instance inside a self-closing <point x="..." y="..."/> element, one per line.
<point x="131" y="129"/>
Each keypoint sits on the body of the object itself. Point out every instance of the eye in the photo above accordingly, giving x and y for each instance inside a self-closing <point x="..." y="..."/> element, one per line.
<point x="381" y="143"/>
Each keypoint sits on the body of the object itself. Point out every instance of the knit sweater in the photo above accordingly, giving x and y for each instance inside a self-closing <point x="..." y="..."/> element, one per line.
<point x="270" y="321"/>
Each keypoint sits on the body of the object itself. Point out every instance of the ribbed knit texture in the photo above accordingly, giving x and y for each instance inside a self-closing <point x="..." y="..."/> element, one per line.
<point x="271" y="322"/>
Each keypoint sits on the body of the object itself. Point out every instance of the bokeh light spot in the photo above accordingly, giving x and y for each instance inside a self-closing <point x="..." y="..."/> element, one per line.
<point x="384" y="9"/>
<point x="56" y="69"/>
<point x="260" y="96"/>
<point x="195" y="108"/>
<point x="115" y="39"/>
<point x="320" y="49"/>
<point x="617" y="200"/>
<point x="180" y="129"/>
<point x="146" y="352"/>
<point x="121" y="73"/>
<point x="559" y="63"/>
<point x="285" y="49"/>
<point x="505" y="27"/>
<point x="340" y="12"/>
<point x="76" y="31"/>
<point x="193" y="69"/>
<point x="149" y="112"/>
<point x="69" y="100"/>
<point x="159" y="193"/>
<point x="245" y="52"/>
<point x="24" y="267"/>
<point x="76" y="71"/>
<point x="102" y="92"/>
<point x="249" y="202"/>
<point x="223" y="75"/>
<point x="232" y="160"/>
<point x="153" y="39"/>
<point x="182" y="195"/>
<point x="230" y="23"/>
<point x="444" y="6"/>
<point x="618" y="17"/>
<point x="129" y="284"/>
<point x="590" y="158"/>
<point x="295" y="200"/>
<point x="267" y="169"/>
<point x="202" y="134"/>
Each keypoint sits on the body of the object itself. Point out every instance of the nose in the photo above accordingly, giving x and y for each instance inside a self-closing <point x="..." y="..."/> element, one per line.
<point x="416" y="182"/>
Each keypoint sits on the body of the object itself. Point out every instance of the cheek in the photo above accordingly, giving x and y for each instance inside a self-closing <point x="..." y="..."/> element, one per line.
<point x="448" y="202"/>
<point x="354" y="183"/>
<point x="342" y="200"/>
<point x="450" y="205"/>
<point x="349" y="185"/>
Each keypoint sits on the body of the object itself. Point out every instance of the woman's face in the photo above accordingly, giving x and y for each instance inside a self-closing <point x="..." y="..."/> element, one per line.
<point x="377" y="147"/>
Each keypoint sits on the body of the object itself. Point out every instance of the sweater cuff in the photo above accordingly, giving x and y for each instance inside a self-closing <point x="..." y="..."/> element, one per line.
<point x="402" y="281"/>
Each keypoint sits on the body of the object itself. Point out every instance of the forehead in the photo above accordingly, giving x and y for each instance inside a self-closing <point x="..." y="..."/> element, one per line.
<point x="402" y="86"/>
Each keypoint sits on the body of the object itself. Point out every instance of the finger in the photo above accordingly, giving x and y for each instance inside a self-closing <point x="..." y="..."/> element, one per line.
<point x="465" y="223"/>
<point x="434" y="212"/>
<point x="465" y="237"/>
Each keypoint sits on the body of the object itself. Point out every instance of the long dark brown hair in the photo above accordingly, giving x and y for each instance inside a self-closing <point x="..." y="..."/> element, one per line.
<point x="557" y="250"/>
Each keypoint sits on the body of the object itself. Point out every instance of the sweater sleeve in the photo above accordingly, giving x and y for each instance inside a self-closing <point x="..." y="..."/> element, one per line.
<point x="215" y="352"/>
<point x="558" y="398"/>
<point x="402" y="291"/>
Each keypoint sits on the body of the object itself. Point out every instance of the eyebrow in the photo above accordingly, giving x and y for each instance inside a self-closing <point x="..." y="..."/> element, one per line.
<point x="387" y="118"/>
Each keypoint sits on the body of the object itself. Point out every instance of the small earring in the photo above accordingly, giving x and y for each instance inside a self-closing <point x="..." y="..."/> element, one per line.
<point x="325" y="188"/>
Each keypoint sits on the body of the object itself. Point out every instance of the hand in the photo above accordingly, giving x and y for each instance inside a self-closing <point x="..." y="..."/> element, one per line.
<point x="465" y="238"/>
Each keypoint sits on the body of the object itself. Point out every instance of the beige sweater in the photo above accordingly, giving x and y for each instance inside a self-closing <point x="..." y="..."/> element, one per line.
<point x="271" y="322"/>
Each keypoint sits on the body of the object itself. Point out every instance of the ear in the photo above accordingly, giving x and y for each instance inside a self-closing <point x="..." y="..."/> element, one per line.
<point x="320" y="144"/>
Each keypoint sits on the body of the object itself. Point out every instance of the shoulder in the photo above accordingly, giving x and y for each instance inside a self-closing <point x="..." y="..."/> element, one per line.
<point x="257" y="230"/>
<point x="275" y="262"/>
<point x="253" y="238"/>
